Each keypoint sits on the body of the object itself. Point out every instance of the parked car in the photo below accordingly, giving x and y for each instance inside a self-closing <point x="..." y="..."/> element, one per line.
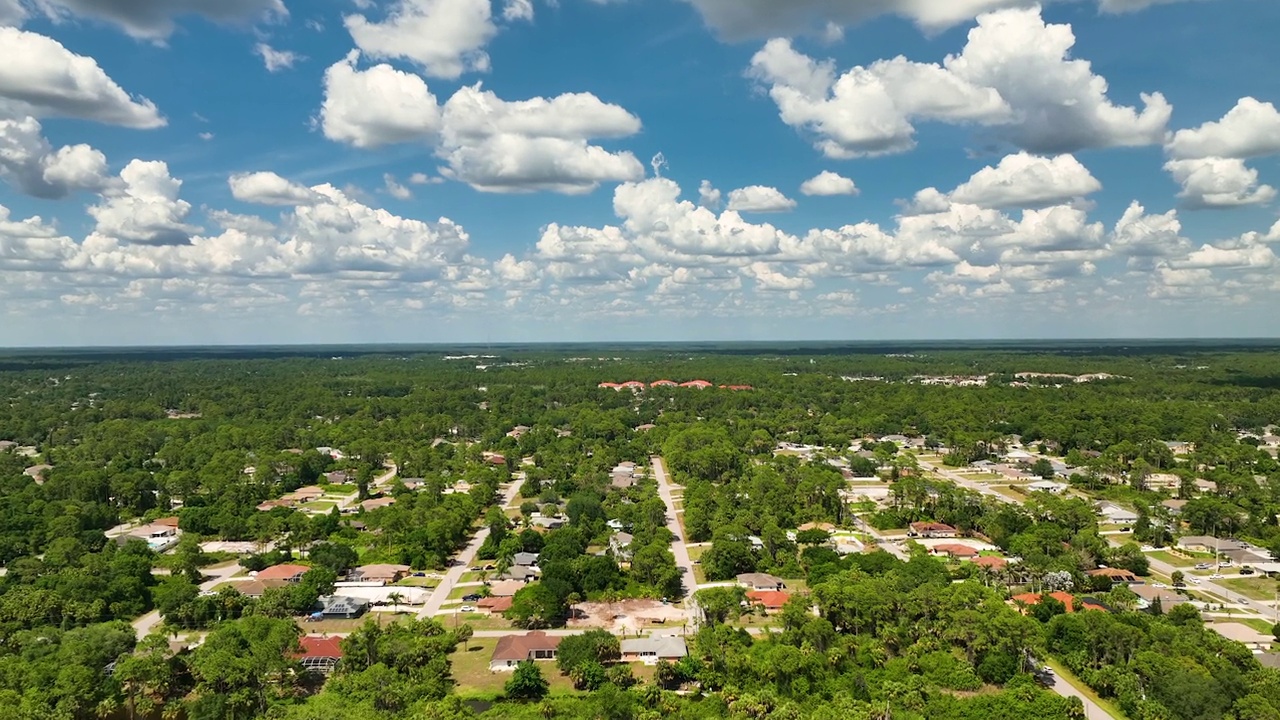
<point x="1203" y="566"/>
<point x="1246" y="570"/>
<point x="468" y="608"/>
<point x="470" y="598"/>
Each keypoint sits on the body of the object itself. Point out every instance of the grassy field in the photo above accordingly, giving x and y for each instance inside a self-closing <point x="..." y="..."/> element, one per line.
<point x="471" y="671"/>
<point x="1174" y="560"/>
<point x="1061" y="671"/>
<point x="422" y="582"/>
<point x="695" y="553"/>
<point x="1254" y="588"/>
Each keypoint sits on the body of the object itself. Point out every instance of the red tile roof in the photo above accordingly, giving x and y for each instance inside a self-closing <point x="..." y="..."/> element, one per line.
<point x="316" y="646"/>
<point x="1034" y="599"/>
<point x="495" y="605"/>
<point x="955" y="550"/>
<point x="520" y="647"/>
<point x="994" y="563"/>
<point x="771" y="599"/>
<point x="696" y="384"/>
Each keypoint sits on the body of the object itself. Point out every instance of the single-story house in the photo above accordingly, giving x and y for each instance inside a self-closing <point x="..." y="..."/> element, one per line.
<point x="955" y="550"/>
<point x="494" y="605"/>
<point x="931" y="530"/>
<point x="525" y="559"/>
<point x="825" y="527"/>
<point x="305" y="494"/>
<point x="385" y="574"/>
<point x="620" y="545"/>
<point x="1242" y="633"/>
<point x="518" y="431"/>
<point x="505" y="588"/>
<point x="1117" y="515"/>
<point x="337" y="477"/>
<point x="515" y="649"/>
<point x="1029" y="599"/>
<point x="1019" y="456"/>
<point x="342" y="607"/>
<point x="38" y="472"/>
<point x="377" y="503"/>
<point x="995" y="564"/>
<point x="1167" y="598"/>
<point x="546" y="523"/>
<point x="652" y="649"/>
<point x="413" y="483"/>
<point x="522" y="573"/>
<point x="770" y="600"/>
<point x="287" y="572"/>
<point x="319" y="653"/>
<point x="761" y="581"/>
<point x="7" y="445"/>
<point x="1174" y="506"/>
<point x="1116" y="575"/>
<point x="645" y="427"/>
<point x="1048" y="486"/>
<point x="254" y="588"/>
<point x="1205" y="543"/>
<point x="496" y="459"/>
<point x="623" y="481"/>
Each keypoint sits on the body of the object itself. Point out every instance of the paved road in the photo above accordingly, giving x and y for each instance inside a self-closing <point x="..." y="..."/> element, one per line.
<point x="385" y="478"/>
<point x="679" y="549"/>
<point x="463" y="560"/>
<point x="1092" y="710"/>
<point x="217" y="575"/>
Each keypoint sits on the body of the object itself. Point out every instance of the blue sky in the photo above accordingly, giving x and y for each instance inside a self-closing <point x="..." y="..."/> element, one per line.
<point x="244" y="171"/>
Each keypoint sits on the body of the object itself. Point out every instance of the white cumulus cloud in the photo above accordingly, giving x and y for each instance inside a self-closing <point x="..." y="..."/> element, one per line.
<point x="446" y="38"/>
<point x="827" y="183"/>
<point x="760" y="199"/>
<point x="1250" y="129"/>
<point x="395" y="189"/>
<point x="145" y="209"/>
<point x="378" y="106"/>
<point x="1218" y="183"/>
<point x="1023" y="180"/>
<point x="29" y="162"/>
<point x="268" y="188"/>
<point x="43" y="78"/>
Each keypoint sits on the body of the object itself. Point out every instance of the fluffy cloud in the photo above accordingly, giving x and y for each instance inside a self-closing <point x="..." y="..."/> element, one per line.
<point x="31" y="244"/>
<point x="444" y="37"/>
<point x="276" y="60"/>
<point x="1024" y="180"/>
<point x="395" y="189"/>
<point x="268" y="188"/>
<point x="827" y="183"/>
<point x="1218" y="183"/>
<point x="867" y="111"/>
<point x="741" y="19"/>
<point x="40" y="77"/>
<point x="517" y="10"/>
<point x="1209" y="256"/>
<point x="760" y="199"/>
<point x="378" y="106"/>
<point x="29" y="162"/>
<point x="1143" y="238"/>
<point x="1015" y="72"/>
<point x="12" y="14"/>
<point x="709" y="197"/>
<point x="538" y="144"/>
<point x="1250" y="129"/>
<point x="146" y="209"/>
<point x="154" y="19"/>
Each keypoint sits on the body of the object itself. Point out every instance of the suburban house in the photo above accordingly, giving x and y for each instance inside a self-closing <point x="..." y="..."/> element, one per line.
<point x="159" y="535"/>
<point x="761" y="581"/>
<point x="1029" y="599"/>
<point x="255" y="588"/>
<point x="319" y="654"/>
<point x="994" y="564"/>
<point x="663" y="383"/>
<point x="931" y="530"/>
<point x="1116" y="515"/>
<point x="377" y="503"/>
<point x="1048" y="486"/>
<point x="505" y="588"/>
<point x="1116" y="575"/>
<point x="955" y="550"/>
<point x="697" y="384"/>
<point x="525" y="559"/>
<point x="413" y="483"/>
<point x="304" y="495"/>
<point x="385" y="574"/>
<point x="38" y="472"/>
<point x="521" y="573"/>
<point x="770" y="600"/>
<point x="515" y="649"/>
<point x="620" y="545"/>
<point x="7" y="445"/>
<point x="494" y="605"/>
<point x="825" y="527"/>
<point x="546" y="523"/>
<point x="288" y="573"/>
<point x="337" y="477"/>
<point x="1174" y="506"/>
<point x="1205" y="543"/>
<point x="1150" y="594"/>
<point x="342" y="608"/>
<point x="652" y="649"/>
<point x="518" y="431"/>
<point x="1242" y="633"/>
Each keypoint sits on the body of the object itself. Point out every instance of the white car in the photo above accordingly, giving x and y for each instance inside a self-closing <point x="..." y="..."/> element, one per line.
<point x="1159" y="585"/>
<point x="1193" y="580"/>
<point x="468" y="608"/>
<point x="1215" y="576"/>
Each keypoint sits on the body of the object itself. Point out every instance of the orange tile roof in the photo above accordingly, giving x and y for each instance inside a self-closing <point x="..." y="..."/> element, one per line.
<point x="315" y="646"/>
<point x="1034" y="599"/>
<point x="771" y="599"/>
<point x="281" y="572"/>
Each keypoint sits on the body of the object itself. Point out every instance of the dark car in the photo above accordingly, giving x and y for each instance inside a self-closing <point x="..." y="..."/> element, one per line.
<point x="1246" y="570"/>
<point x="470" y="598"/>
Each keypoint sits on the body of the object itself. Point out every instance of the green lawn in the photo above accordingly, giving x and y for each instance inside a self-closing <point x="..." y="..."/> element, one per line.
<point x="422" y="582"/>
<point x="695" y="553"/>
<point x="472" y="674"/>
<point x="1254" y="588"/>
<point x="1107" y="706"/>
<point x="321" y="506"/>
<point x="1174" y="560"/>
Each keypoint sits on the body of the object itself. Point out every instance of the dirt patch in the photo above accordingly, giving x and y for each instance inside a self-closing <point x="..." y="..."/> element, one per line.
<point x="626" y="616"/>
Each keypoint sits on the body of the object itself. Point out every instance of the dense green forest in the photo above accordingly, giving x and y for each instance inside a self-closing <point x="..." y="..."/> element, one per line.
<point x="209" y="438"/>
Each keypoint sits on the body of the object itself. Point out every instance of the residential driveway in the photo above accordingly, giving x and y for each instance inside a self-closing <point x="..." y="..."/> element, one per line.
<point x="464" y="559"/>
<point x="217" y="575"/>
<point x="1092" y="710"/>
<point x="679" y="548"/>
